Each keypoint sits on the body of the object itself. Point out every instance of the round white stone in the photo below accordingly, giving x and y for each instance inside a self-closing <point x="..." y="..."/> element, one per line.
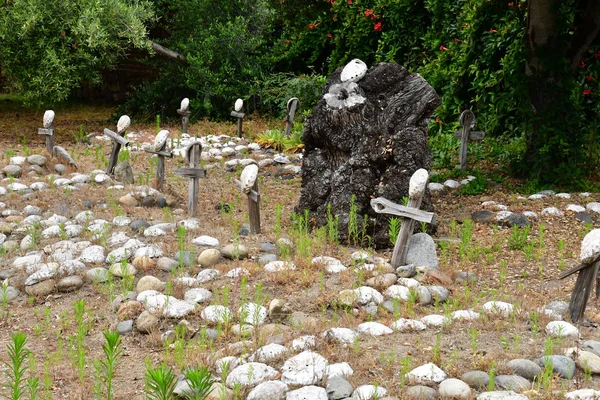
<point x="342" y="335"/>
<point x="185" y="103"/>
<point x="307" y="392"/>
<point x="427" y="373"/>
<point x="374" y="329"/>
<point x="249" y="375"/>
<point x="207" y="241"/>
<point x="397" y="292"/>
<point x="123" y="123"/>
<point x="367" y="294"/>
<point x="48" y="118"/>
<point x="269" y="390"/>
<point x="368" y="392"/>
<point x="498" y="308"/>
<point x="408" y="325"/>
<point x="216" y="314"/>
<point x="561" y="328"/>
<point x="306" y="368"/>
<point x="160" y="139"/>
<point x="239" y="103"/>
<point x="590" y="247"/>
<point x="268" y="353"/>
<point x="197" y="295"/>
<point x="252" y="314"/>
<point x="435" y="320"/>
<point x="465" y="315"/>
<point x="332" y="265"/>
<point x="248" y="177"/>
<point x="342" y="369"/>
<point x="417" y="182"/>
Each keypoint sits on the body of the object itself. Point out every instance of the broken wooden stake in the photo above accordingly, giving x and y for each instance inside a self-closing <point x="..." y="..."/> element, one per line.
<point x="237" y="112"/>
<point x="159" y="149"/>
<point x="248" y="184"/>
<point x="467" y="122"/>
<point x="410" y="214"/>
<point x="292" y="106"/>
<point x="64" y="155"/>
<point x="118" y="141"/>
<point x="48" y="130"/>
<point x="193" y="173"/>
<point x="185" y="114"/>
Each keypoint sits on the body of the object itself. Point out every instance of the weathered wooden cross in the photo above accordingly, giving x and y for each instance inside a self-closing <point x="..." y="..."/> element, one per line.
<point x="185" y="114"/>
<point x="411" y="213"/>
<point x="248" y="184"/>
<point x="194" y="173"/>
<point x="237" y="112"/>
<point x="467" y="122"/>
<point x="160" y="149"/>
<point x="118" y="141"/>
<point x="292" y="106"/>
<point x="48" y="130"/>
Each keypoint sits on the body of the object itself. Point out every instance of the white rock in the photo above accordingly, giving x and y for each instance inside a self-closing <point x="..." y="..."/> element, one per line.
<point x="408" y="325"/>
<point x="16" y="187"/>
<point x="48" y="118"/>
<point x="498" y="308"/>
<point x="207" y="275"/>
<point x="307" y="393"/>
<point x="354" y="71"/>
<point x="237" y="272"/>
<point x="304" y="343"/>
<point x="576" y="208"/>
<point x="121" y="220"/>
<point x="154" y="231"/>
<point x="123" y="123"/>
<point x="252" y="314"/>
<point x="269" y="390"/>
<point x="248" y="178"/>
<point x="590" y="247"/>
<point x="341" y="335"/>
<point x="342" y="369"/>
<point x="306" y="368"/>
<point x="409" y="282"/>
<point x="185" y="103"/>
<point x="561" y="328"/>
<point x="454" y="389"/>
<point x="583" y="394"/>
<point x="435" y="187"/>
<point x="368" y="392"/>
<point x="278" y="266"/>
<point x="239" y="103"/>
<point x="332" y="265"/>
<point x="452" y="184"/>
<point x="268" y="353"/>
<point x="367" y="294"/>
<point x="427" y="373"/>
<point x="536" y="196"/>
<point x="206" y="241"/>
<point x="593" y="206"/>
<point x="435" y="320"/>
<point x="45" y="272"/>
<point x="161" y="139"/>
<point x="530" y="215"/>
<point x="197" y="295"/>
<point x="148" y="251"/>
<point x="27" y="261"/>
<point x="563" y="195"/>
<point x="503" y="215"/>
<point x="501" y="395"/>
<point x="552" y="211"/>
<point x="397" y="292"/>
<point x="71" y="267"/>
<point x="217" y="314"/>
<point x="249" y="375"/>
<point x="92" y="254"/>
<point x="465" y="315"/>
<point x="374" y="329"/>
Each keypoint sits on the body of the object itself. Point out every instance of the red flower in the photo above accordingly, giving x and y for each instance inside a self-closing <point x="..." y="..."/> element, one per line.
<point x="464" y="26"/>
<point x="586" y="92"/>
<point x="287" y="42"/>
<point x="437" y="120"/>
<point x="378" y="27"/>
<point x="590" y="79"/>
<point x="311" y="26"/>
<point x="349" y="1"/>
<point x="581" y="64"/>
<point x="492" y="30"/>
<point x="597" y="54"/>
<point x="329" y="35"/>
<point x="456" y="40"/>
<point x="511" y="4"/>
<point x="368" y="13"/>
<point x="443" y="48"/>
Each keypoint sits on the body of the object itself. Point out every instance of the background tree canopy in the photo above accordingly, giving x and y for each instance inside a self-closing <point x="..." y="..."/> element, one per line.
<point x="528" y="69"/>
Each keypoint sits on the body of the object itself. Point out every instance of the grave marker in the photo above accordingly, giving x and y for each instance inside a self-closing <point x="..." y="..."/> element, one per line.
<point x="48" y="130"/>
<point x="467" y="122"/>
<point x="410" y="213"/>
<point x="159" y="148"/>
<point x="185" y="114"/>
<point x="118" y="141"/>
<point x="194" y="173"/>
<point x="248" y="184"/>
<point x="292" y="106"/>
<point x="237" y="112"/>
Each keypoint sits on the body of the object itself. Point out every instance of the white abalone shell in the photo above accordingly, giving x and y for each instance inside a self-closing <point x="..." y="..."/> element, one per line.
<point x="248" y="178"/>
<point x="354" y="71"/>
<point x="185" y="103"/>
<point x="161" y="139"/>
<point x="123" y="123"/>
<point x="239" y="103"/>
<point x="48" y="118"/>
<point x="418" y="182"/>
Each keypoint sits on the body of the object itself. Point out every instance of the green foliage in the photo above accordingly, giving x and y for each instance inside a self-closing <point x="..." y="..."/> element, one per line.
<point x="49" y="47"/>
<point x="17" y="368"/>
<point x="160" y="383"/>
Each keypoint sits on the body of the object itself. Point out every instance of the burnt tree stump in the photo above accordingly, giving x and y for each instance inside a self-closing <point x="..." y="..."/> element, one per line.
<point x="366" y="137"/>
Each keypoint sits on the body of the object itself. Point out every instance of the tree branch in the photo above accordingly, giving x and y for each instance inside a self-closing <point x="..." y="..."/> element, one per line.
<point x="587" y="31"/>
<point x="169" y="53"/>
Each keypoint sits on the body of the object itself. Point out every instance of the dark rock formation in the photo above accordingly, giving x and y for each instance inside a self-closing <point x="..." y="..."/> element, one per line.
<point x="366" y="138"/>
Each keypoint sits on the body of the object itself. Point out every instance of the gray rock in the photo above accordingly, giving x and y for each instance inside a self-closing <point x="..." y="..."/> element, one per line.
<point x="264" y="259"/>
<point x="592" y="346"/>
<point x="270" y="390"/>
<point x="41" y="289"/>
<point x="464" y="276"/>
<point x="124" y="173"/>
<point x="483" y="216"/>
<point x="139" y="225"/>
<point x="186" y="258"/>
<point x="476" y="379"/>
<point x="422" y="251"/>
<point x="233" y="251"/>
<point x="516" y="219"/>
<point x="338" y="388"/>
<point x="146" y="322"/>
<point x="562" y="365"/>
<point x="439" y="293"/>
<point x="406" y="271"/>
<point x="512" y="382"/>
<point x="425" y="295"/>
<point x="166" y="264"/>
<point x="525" y="368"/>
<point x="556" y="309"/>
<point x="161" y="202"/>
<point x="9" y="294"/>
<point x="454" y="389"/>
<point x="98" y="275"/>
<point x="584" y="217"/>
<point x="12" y="170"/>
<point x="421" y="393"/>
<point x="501" y="395"/>
<point x="268" y="247"/>
<point x="36" y="159"/>
<point x="60" y="168"/>
<point x="69" y="284"/>
<point x="125" y="327"/>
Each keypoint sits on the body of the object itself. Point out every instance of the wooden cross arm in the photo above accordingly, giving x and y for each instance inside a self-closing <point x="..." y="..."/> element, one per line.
<point x="473" y="135"/>
<point x="184" y="113"/>
<point x="160" y="153"/>
<point x="237" y="114"/>
<point x="254" y="195"/>
<point x="384" y="206"/>
<point x="191" y="172"/>
<point x="46" y="131"/>
<point x="116" y="137"/>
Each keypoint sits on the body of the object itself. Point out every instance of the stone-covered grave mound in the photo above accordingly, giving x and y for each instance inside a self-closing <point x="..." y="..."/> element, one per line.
<point x="365" y="138"/>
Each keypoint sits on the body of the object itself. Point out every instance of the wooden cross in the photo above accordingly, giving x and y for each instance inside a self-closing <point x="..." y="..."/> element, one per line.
<point x="185" y="114"/>
<point x="48" y="130"/>
<point x="410" y="213"/>
<point x="160" y="146"/>
<point x="467" y="122"/>
<point x="292" y="106"/>
<point x="237" y="112"/>
<point x="248" y="184"/>
<point x="118" y="141"/>
<point x="194" y="173"/>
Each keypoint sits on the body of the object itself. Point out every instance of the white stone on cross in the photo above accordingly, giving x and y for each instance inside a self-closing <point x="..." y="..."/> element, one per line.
<point x="410" y="214"/>
<point x="48" y="130"/>
<point x="237" y="113"/>
<point x="118" y="141"/>
<point x="159" y="149"/>
<point x="292" y="106"/>
<point x="248" y="184"/>
<point x="354" y="71"/>
<point x="185" y="114"/>
<point x="467" y="123"/>
<point x="193" y="173"/>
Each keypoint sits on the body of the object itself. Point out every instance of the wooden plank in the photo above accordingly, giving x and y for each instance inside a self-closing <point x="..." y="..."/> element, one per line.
<point x="116" y="137"/>
<point x="190" y="172"/>
<point x="158" y="153"/>
<point x="474" y="135"/>
<point x="194" y="183"/>
<point x="384" y="206"/>
<point x="254" y="209"/>
<point x="63" y="154"/>
<point x="582" y="290"/>
<point x="44" y="131"/>
<point x="188" y="151"/>
<point x="237" y="114"/>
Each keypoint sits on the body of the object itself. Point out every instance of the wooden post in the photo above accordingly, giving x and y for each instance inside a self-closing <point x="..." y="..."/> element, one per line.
<point x="588" y="273"/>
<point x="248" y="184"/>
<point x="48" y="130"/>
<point x="410" y="213"/>
<point x="160" y="145"/>
<point x="237" y="112"/>
<point x="467" y="122"/>
<point x="118" y="141"/>
<point x="194" y="173"/>
<point x="292" y="106"/>
<point x="185" y="114"/>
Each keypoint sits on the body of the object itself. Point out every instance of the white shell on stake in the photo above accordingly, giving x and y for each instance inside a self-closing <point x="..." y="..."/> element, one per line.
<point x="123" y="124"/>
<point x="239" y="103"/>
<point x="185" y="103"/>
<point x="48" y="118"/>
<point x="161" y="139"/>
<point x="418" y="182"/>
<point x="248" y="178"/>
<point x="354" y="71"/>
<point x="290" y="102"/>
